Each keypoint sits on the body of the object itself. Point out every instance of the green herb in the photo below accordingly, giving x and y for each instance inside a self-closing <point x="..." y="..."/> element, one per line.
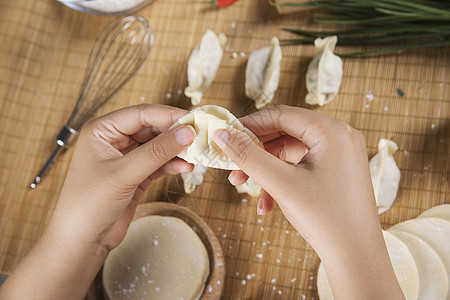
<point x="400" y="92"/>
<point x="408" y="23"/>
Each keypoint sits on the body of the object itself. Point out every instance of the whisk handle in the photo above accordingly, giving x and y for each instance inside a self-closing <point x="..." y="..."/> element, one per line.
<point x="65" y="136"/>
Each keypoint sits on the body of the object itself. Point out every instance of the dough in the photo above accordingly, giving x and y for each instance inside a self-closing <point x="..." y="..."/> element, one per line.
<point x="439" y="211"/>
<point x="433" y="231"/>
<point x="385" y="175"/>
<point x="206" y="120"/>
<point x="250" y="187"/>
<point x="193" y="179"/>
<point x="404" y="265"/>
<point x="402" y="261"/>
<point x="263" y="73"/>
<point x="324" y="75"/>
<point x="203" y="65"/>
<point x="433" y="280"/>
<point x="323" y="286"/>
<point x="160" y="258"/>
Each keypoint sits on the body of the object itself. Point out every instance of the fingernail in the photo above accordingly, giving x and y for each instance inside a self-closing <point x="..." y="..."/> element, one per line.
<point x="220" y="138"/>
<point x="260" y="208"/>
<point x="184" y="135"/>
<point x="231" y="178"/>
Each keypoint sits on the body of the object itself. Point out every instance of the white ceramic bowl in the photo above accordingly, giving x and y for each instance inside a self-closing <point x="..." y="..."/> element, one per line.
<point x="107" y="7"/>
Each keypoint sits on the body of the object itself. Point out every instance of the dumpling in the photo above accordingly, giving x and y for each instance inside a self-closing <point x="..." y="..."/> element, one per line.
<point x="206" y="120"/>
<point x="385" y="175"/>
<point x="324" y="75"/>
<point x="203" y="65"/>
<point x="250" y="187"/>
<point x="193" y="179"/>
<point x="263" y="74"/>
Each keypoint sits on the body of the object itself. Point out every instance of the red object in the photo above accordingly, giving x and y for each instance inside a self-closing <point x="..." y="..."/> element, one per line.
<point x="222" y="3"/>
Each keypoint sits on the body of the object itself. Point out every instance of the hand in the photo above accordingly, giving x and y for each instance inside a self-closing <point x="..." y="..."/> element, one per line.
<point x="316" y="169"/>
<point x="116" y="158"/>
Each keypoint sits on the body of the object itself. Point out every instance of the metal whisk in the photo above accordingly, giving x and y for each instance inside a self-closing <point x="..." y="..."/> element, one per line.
<point x="117" y="54"/>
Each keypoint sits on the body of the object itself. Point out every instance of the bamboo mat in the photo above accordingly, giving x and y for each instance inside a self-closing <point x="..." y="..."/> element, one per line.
<point x="43" y="50"/>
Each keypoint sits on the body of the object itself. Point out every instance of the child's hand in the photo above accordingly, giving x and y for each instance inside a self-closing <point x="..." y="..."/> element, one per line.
<point x="116" y="158"/>
<point x="316" y="168"/>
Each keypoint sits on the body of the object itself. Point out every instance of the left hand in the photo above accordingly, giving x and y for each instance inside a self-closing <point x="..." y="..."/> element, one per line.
<point x="116" y="158"/>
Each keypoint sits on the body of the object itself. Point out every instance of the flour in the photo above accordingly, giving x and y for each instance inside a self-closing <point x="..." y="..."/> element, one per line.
<point x="111" y="6"/>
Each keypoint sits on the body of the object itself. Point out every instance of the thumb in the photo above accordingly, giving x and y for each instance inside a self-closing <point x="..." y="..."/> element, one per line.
<point x="267" y="170"/>
<point x="149" y="157"/>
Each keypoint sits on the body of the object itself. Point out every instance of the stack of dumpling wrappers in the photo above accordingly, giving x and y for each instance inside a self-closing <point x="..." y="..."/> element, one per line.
<point x="420" y="255"/>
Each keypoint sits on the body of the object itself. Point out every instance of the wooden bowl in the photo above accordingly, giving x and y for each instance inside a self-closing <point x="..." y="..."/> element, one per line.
<point x="215" y="283"/>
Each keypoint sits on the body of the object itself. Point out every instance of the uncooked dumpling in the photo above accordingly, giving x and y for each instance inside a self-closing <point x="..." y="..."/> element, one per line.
<point x="433" y="231"/>
<point x="193" y="179"/>
<point x="206" y="120"/>
<point x="324" y="75"/>
<point x="160" y="258"/>
<point x="385" y="175"/>
<point x="263" y="73"/>
<point x="250" y="187"/>
<point x="203" y="64"/>
<point x="439" y="211"/>
<point x="433" y="280"/>
<point x="402" y="262"/>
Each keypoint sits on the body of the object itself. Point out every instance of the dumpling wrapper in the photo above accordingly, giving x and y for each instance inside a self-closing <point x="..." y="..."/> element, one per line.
<point x="440" y="211"/>
<point x="203" y="65"/>
<point x="160" y="258"/>
<point x="193" y="179"/>
<point x="262" y="74"/>
<point x="385" y="175"/>
<point x="433" y="231"/>
<point x="405" y="270"/>
<point x="250" y="187"/>
<point x="206" y="120"/>
<point x="324" y="75"/>
<point x="433" y="280"/>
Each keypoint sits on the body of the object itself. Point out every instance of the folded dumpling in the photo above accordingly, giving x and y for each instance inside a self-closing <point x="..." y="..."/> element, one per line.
<point x="324" y="75"/>
<point x="206" y="120"/>
<point x="203" y="64"/>
<point x="385" y="175"/>
<point x="250" y="187"/>
<point x="193" y="179"/>
<point x="263" y="74"/>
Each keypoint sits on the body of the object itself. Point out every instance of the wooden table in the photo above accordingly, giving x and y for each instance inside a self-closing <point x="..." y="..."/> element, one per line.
<point x="43" y="50"/>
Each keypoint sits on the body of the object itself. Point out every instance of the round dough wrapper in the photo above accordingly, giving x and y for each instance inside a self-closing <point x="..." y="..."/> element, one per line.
<point x="206" y="120"/>
<point x="439" y="211"/>
<point x="402" y="261"/>
<point x="433" y="231"/>
<point x="160" y="258"/>
<point x="433" y="280"/>
<point x="323" y="286"/>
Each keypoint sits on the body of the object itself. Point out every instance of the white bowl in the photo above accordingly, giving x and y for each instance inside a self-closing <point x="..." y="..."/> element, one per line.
<point x="107" y="7"/>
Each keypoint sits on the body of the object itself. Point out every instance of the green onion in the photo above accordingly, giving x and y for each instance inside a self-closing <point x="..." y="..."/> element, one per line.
<point x="416" y="23"/>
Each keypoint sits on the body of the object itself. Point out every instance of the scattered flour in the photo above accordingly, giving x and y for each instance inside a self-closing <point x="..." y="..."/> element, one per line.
<point x="370" y="96"/>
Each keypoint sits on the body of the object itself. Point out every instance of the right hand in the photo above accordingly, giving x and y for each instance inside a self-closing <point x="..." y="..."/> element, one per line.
<point x="316" y="169"/>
